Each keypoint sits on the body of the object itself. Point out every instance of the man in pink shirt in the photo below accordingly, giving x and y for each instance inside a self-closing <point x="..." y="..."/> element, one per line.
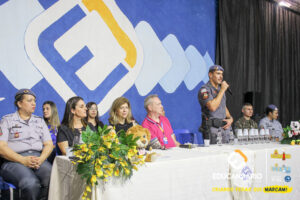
<point x="158" y="125"/>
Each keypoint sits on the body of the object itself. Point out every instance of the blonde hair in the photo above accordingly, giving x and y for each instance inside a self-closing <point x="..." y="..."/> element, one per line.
<point x="113" y="116"/>
<point x="54" y="119"/>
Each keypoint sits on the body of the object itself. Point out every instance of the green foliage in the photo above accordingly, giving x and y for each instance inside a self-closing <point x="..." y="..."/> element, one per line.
<point x="286" y="138"/>
<point x="105" y="154"/>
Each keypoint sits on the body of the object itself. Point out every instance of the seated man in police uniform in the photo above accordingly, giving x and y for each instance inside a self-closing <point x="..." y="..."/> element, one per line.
<point x="25" y="144"/>
<point x="270" y="122"/>
<point x="246" y="122"/>
<point x="212" y="98"/>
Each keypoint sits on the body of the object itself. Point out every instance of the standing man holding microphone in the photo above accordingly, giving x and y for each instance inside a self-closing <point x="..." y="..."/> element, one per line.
<point x="215" y="115"/>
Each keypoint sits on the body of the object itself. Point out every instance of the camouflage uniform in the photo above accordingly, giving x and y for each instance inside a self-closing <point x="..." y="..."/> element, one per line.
<point x="242" y="123"/>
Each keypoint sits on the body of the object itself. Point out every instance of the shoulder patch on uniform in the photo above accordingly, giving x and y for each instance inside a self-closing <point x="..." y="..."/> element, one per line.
<point x="204" y="93"/>
<point x="203" y="90"/>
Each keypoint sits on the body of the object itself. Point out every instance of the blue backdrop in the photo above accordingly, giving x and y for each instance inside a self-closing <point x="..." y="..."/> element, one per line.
<point x="104" y="49"/>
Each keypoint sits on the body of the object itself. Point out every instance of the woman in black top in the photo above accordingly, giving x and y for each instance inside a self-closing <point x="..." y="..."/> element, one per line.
<point x="72" y="124"/>
<point x="120" y="116"/>
<point x="93" y="116"/>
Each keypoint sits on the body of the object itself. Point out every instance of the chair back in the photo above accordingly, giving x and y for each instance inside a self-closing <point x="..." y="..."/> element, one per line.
<point x="184" y="136"/>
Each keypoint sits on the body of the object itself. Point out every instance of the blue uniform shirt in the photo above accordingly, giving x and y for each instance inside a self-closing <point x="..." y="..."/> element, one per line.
<point x="207" y="93"/>
<point x="274" y="126"/>
<point x="22" y="136"/>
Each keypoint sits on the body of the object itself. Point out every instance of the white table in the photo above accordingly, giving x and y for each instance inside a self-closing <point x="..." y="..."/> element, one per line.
<point x="182" y="174"/>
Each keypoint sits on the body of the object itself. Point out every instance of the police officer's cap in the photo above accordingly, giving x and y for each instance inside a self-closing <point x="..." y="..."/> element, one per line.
<point x="272" y="107"/>
<point x="216" y="68"/>
<point x="24" y="91"/>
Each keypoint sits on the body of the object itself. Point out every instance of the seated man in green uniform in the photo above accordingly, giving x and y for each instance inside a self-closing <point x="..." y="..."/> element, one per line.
<point x="246" y="122"/>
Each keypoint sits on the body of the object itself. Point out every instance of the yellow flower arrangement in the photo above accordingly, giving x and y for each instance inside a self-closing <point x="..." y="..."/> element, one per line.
<point x="104" y="154"/>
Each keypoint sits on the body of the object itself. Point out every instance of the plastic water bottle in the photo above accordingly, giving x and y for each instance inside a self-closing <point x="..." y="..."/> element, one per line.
<point x="239" y="134"/>
<point x="231" y="137"/>
<point x="219" y="137"/>
<point x="267" y="135"/>
<point x="262" y="133"/>
<point x="245" y="135"/>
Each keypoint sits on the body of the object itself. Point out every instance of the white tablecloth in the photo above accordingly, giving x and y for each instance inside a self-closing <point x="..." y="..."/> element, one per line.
<point x="184" y="174"/>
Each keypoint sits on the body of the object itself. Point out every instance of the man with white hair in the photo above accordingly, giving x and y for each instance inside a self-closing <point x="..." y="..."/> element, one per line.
<point x="158" y="125"/>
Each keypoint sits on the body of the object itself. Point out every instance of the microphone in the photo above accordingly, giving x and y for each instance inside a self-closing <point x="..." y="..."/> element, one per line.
<point x="229" y="91"/>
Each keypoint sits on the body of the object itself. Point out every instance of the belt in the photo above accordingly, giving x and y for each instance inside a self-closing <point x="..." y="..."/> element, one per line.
<point x="30" y="151"/>
<point x="215" y="122"/>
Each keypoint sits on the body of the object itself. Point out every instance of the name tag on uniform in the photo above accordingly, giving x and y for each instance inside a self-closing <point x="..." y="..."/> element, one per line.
<point x="16" y="126"/>
<point x="165" y="139"/>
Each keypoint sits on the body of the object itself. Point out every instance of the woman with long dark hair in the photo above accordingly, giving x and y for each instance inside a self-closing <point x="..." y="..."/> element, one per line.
<point x="72" y="124"/>
<point x="92" y="115"/>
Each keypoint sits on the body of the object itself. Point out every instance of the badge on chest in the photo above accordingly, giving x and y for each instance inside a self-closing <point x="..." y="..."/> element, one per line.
<point x="17" y="135"/>
<point x="165" y="139"/>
